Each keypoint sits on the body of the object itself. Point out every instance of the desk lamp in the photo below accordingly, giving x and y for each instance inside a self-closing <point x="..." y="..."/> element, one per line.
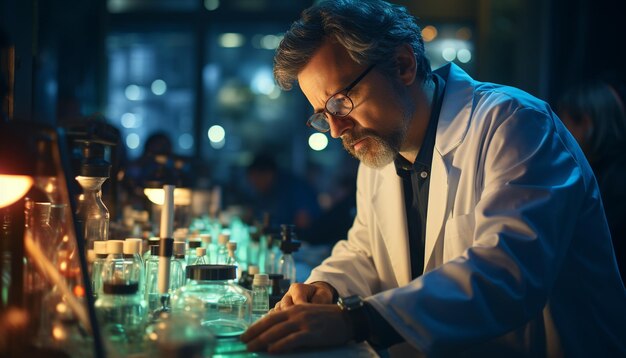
<point x="166" y="174"/>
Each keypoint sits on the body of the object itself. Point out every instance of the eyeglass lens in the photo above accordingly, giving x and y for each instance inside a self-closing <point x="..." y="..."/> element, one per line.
<point x="339" y="105"/>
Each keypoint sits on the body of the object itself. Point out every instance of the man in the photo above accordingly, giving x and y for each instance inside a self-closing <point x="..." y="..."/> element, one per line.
<point x="479" y="228"/>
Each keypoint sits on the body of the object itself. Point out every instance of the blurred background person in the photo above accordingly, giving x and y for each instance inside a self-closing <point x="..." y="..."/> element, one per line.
<point x="335" y="221"/>
<point x="288" y="198"/>
<point x="594" y="113"/>
<point x="140" y="170"/>
<point x="157" y="143"/>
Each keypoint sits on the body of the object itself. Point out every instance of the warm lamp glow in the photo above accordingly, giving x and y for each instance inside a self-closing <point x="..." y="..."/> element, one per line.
<point x="156" y="196"/>
<point x="13" y="188"/>
<point x="182" y="196"/>
<point x="79" y="291"/>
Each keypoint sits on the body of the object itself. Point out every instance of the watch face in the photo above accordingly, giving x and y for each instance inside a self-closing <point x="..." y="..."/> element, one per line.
<point x="352" y="302"/>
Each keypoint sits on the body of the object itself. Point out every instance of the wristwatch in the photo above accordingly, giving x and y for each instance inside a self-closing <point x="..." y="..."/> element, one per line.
<point x="354" y="310"/>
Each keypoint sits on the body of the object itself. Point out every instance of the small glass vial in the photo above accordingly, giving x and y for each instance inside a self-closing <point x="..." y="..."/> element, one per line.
<point x="286" y="264"/>
<point x="138" y="243"/>
<point x="232" y="257"/>
<point x="222" y="250"/>
<point x="177" y="267"/>
<point x="207" y="240"/>
<point x="211" y="248"/>
<point x="100" y="249"/>
<point x="153" y="241"/>
<point x="201" y="257"/>
<point x="113" y="268"/>
<point x="177" y="275"/>
<point x="152" y="295"/>
<point x="287" y="267"/>
<point x="180" y="253"/>
<point x="177" y="279"/>
<point x="134" y="270"/>
<point x="260" y="296"/>
<point x="247" y="276"/>
<point x="191" y="251"/>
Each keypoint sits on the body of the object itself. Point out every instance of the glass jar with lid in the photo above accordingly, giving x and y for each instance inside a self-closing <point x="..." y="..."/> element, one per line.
<point x="121" y="313"/>
<point x="223" y="306"/>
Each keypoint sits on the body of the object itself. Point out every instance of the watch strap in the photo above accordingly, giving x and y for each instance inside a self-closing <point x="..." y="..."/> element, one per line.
<point x="354" y="310"/>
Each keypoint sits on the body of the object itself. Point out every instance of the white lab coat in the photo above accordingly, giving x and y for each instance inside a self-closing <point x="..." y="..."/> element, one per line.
<point x="518" y="257"/>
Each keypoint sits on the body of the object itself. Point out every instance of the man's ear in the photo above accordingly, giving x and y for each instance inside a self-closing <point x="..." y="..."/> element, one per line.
<point x="407" y="65"/>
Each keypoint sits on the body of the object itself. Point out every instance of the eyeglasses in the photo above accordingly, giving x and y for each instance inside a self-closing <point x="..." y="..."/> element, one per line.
<point x="338" y="105"/>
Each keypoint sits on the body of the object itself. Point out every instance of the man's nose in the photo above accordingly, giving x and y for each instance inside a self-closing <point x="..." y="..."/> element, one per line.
<point x="339" y="125"/>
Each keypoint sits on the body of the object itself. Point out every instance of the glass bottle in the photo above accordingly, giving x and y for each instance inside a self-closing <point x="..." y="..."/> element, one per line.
<point x="121" y="313"/>
<point x="39" y="229"/>
<point x="152" y="295"/>
<point x="272" y="254"/>
<point x="232" y="257"/>
<point x="153" y="241"/>
<point x="120" y="308"/>
<point x="139" y="247"/>
<point x="287" y="267"/>
<point x="177" y="276"/>
<point x="92" y="214"/>
<point x="286" y="264"/>
<point x="100" y="249"/>
<point x="247" y="277"/>
<point x="240" y="233"/>
<point x="180" y="252"/>
<point x="178" y="265"/>
<point x="201" y="257"/>
<point x="210" y="246"/>
<point x="213" y="223"/>
<point x="191" y="251"/>
<point x="222" y="250"/>
<point x="113" y="269"/>
<point x="260" y="296"/>
<point x="254" y="249"/>
<point x="134" y="270"/>
<point x="60" y="328"/>
<point x="264" y="234"/>
<point x="279" y="286"/>
<point x="207" y="241"/>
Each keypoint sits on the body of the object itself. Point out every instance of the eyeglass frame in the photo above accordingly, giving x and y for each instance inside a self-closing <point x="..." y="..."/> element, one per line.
<point x="345" y="92"/>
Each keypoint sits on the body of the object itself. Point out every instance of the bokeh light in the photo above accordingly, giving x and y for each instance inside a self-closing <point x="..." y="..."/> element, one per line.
<point x="318" y="141"/>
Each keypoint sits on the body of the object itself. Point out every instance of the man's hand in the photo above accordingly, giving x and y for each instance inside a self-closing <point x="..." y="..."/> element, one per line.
<point x="317" y="292"/>
<point x="299" y="326"/>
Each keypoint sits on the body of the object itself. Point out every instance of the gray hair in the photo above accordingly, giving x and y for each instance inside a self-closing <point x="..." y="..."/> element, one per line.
<point x="370" y="31"/>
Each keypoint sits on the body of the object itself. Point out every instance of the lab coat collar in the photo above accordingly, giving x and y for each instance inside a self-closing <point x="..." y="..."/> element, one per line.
<point x="455" y="109"/>
<point x="388" y="203"/>
<point x="388" y="199"/>
<point x="454" y="122"/>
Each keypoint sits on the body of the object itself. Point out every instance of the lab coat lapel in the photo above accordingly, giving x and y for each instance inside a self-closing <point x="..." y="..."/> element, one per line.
<point x="453" y="124"/>
<point x="388" y="204"/>
<point x="437" y="204"/>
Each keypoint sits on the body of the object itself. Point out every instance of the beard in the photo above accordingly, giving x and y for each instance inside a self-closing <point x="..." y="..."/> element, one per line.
<point x="376" y="150"/>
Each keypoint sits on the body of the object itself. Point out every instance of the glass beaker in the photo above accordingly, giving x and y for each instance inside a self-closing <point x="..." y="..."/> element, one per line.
<point x="92" y="214"/>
